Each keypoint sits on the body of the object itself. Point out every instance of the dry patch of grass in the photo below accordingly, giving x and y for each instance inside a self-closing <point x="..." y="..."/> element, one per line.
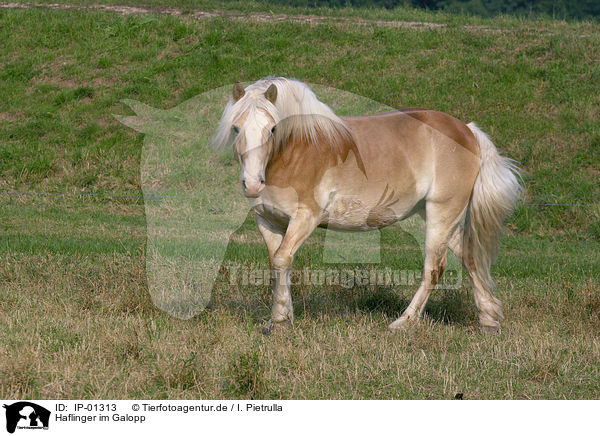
<point x="85" y="326"/>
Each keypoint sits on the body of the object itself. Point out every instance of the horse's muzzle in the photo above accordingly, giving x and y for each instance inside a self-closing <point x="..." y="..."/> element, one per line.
<point x="253" y="188"/>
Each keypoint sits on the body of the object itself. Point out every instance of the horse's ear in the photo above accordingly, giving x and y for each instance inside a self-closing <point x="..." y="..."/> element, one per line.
<point x="271" y="93"/>
<point x="238" y="91"/>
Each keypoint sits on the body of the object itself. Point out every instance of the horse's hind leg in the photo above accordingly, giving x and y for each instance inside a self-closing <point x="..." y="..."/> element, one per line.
<point x="441" y="223"/>
<point x="456" y="241"/>
<point x="490" y="308"/>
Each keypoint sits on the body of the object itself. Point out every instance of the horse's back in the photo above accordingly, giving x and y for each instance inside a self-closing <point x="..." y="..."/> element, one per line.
<point x="425" y="152"/>
<point x="449" y="126"/>
<point x="407" y="122"/>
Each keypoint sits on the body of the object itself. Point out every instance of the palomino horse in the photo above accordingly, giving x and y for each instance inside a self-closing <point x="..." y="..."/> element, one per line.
<point x="302" y="166"/>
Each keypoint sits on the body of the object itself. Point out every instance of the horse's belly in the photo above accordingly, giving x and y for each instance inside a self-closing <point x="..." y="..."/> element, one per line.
<point x="355" y="214"/>
<point x="347" y="214"/>
<point x="365" y="209"/>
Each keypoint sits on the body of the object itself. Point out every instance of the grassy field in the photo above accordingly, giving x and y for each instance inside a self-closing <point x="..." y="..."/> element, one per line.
<point x="76" y="317"/>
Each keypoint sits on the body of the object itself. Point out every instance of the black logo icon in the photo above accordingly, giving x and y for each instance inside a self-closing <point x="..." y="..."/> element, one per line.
<point x="26" y="415"/>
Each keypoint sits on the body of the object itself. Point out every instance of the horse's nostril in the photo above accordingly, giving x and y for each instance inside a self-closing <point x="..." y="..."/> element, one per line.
<point x="262" y="180"/>
<point x="244" y="184"/>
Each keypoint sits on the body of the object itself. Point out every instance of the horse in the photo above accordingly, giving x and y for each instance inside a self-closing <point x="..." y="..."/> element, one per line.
<point x="304" y="167"/>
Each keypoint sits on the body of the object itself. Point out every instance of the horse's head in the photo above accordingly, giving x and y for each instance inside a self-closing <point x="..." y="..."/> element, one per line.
<point x="252" y="127"/>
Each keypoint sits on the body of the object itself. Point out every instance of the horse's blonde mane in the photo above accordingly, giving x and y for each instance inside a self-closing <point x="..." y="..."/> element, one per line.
<point x="298" y="114"/>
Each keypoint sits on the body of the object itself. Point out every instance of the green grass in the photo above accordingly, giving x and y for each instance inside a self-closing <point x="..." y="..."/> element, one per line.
<point x="535" y="92"/>
<point x="76" y="314"/>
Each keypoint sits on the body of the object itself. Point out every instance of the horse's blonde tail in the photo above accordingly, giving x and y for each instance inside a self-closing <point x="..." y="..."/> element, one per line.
<point x="494" y="197"/>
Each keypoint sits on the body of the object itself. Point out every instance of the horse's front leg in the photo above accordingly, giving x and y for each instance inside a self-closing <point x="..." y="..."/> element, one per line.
<point x="272" y="234"/>
<point x="299" y="228"/>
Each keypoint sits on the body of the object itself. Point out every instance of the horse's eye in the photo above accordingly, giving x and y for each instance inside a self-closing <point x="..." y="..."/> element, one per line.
<point x="273" y="130"/>
<point x="236" y="129"/>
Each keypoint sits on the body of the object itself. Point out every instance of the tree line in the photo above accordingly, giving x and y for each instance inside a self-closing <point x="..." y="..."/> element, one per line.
<point x="558" y="9"/>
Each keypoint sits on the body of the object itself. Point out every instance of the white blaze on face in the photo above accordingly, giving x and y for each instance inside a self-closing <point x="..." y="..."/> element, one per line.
<point x="253" y="150"/>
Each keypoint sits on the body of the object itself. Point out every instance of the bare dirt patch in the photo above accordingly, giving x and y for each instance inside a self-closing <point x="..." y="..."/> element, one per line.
<point x="9" y="116"/>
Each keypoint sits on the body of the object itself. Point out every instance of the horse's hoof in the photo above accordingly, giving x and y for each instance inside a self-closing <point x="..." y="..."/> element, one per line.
<point x="403" y="324"/>
<point x="490" y="329"/>
<point x="270" y="326"/>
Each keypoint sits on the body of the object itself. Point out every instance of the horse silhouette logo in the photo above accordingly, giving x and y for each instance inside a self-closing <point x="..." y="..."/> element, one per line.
<point x="25" y="414"/>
